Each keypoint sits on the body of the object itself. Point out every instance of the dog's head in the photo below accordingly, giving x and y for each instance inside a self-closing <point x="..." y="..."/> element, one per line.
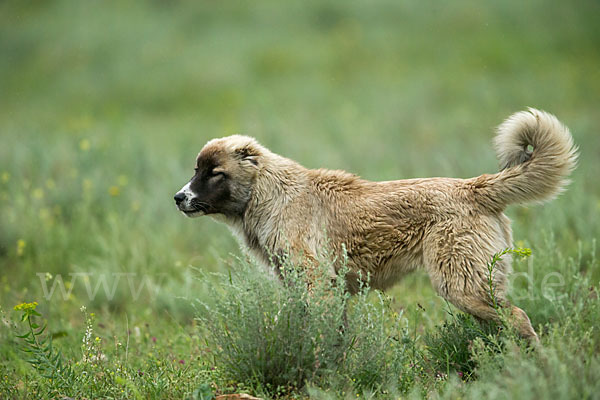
<point x="224" y="176"/>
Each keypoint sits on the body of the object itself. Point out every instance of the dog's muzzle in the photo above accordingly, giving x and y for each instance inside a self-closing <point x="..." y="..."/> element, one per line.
<point x="186" y="202"/>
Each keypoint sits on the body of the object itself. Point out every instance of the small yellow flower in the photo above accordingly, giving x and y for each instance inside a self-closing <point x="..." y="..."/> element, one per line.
<point x="38" y="193"/>
<point x="5" y="177"/>
<point x="135" y="205"/>
<point x="26" y="306"/>
<point x="21" y="247"/>
<point x="114" y="191"/>
<point x="50" y="184"/>
<point x="84" y="145"/>
<point x="522" y="251"/>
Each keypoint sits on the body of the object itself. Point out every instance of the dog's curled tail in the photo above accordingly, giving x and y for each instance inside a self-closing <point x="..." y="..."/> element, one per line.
<point x="536" y="154"/>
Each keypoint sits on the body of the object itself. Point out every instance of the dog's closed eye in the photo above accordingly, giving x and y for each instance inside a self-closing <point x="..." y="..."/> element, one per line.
<point x="217" y="172"/>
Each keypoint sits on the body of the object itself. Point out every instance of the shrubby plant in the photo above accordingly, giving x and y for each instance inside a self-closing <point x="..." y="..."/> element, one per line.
<point x="275" y="335"/>
<point x="450" y="348"/>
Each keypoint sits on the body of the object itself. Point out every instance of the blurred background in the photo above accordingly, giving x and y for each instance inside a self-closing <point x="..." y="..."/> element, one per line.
<point x="104" y="106"/>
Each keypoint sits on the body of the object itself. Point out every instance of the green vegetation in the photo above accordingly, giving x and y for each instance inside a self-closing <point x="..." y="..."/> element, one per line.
<point x="103" y="106"/>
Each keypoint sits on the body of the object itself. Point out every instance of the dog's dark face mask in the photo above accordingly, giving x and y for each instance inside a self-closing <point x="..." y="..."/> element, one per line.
<point x="222" y="183"/>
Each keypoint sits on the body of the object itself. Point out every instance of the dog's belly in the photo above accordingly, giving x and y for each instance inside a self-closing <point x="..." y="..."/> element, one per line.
<point x="391" y="273"/>
<point x="381" y="275"/>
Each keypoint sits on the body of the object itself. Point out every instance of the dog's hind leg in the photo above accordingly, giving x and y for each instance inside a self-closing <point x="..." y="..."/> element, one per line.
<point x="483" y="310"/>
<point x="456" y="265"/>
<point x="523" y="324"/>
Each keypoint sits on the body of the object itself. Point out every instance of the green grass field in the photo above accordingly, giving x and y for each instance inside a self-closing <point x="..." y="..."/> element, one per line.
<point x="104" y="105"/>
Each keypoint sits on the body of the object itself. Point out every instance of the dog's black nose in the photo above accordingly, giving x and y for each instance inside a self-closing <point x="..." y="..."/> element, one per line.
<point x="179" y="197"/>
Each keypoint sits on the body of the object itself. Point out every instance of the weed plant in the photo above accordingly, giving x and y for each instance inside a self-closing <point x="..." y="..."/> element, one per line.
<point x="278" y="336"/>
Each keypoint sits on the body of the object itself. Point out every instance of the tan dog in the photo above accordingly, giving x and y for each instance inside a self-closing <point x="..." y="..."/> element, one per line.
<point x="450" y="227"/>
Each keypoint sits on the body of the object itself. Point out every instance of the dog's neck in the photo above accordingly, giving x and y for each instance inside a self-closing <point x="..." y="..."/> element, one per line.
<point x="280" y="182"/>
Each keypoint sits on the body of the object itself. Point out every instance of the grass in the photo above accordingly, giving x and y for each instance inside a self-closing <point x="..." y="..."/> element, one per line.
<point x="104" y="106"/>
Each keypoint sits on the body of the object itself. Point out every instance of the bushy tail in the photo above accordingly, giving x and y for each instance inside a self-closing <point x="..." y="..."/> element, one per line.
<point x="536" y="154"/>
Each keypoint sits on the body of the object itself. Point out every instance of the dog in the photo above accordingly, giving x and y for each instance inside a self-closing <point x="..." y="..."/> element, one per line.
<point x="450" y="227"/>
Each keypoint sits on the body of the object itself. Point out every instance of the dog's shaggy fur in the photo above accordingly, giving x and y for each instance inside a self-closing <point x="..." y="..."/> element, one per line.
<point x="450" y="227"/>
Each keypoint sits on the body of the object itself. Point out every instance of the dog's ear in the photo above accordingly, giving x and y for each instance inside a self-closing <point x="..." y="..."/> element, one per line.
<point x="248" y="153"/>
